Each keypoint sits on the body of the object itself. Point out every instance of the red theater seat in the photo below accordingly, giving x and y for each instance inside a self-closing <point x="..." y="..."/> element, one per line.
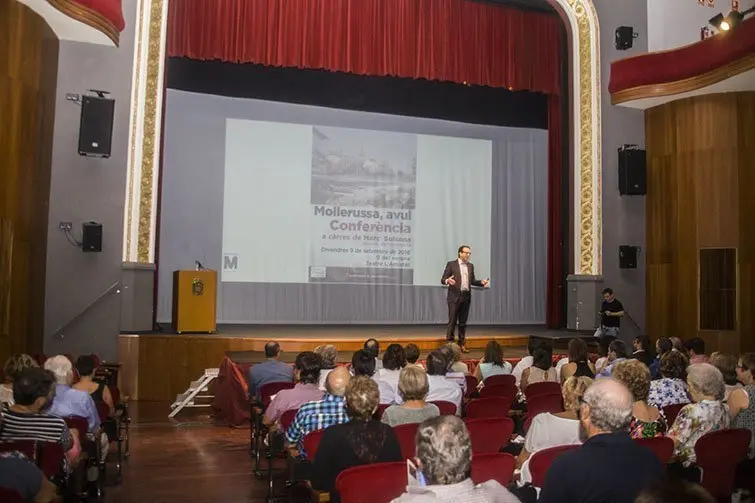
<point x="376" y="483"/>
<point x="498" y="466"/>
<point x="541" y="461"/>
<point x="489" y="434"/>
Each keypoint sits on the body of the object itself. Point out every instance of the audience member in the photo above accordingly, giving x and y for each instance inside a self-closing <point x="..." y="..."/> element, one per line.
<point x="444" y="459"/>
<point x="647" y="421"/>
<point x="742" y="401"/>
<point x="372" y="346"/>
<point x="328" y="354"/>
<point x="542" y="367"/>
<point x="696" y="350"/>
<point x="671" y="388"/>
<point x="578" y="361"/>
<point x="86" y="366"/>
<point x="69" y="401"/>
<point x="307" y="376"/>
<point x="551" y="430"/>
<point x="525" y="362"/>
<point x="440" y="387"/>
<point x="362" y="363"/>
<point x="678" y="345"/>
<point x="11" y="370"/>
<point x="360" y="441"/>
<point x="387" y="377"/>
<point x="320" y="414"/>
<point x="492" y="362"/>
<point x="726" y="364"/>
<point x="662" y="346"/>
<point x="610" y="466"/>
<point x="412" y="355"/>
<point x="413" y="387"/>
<point x="271" y="370"/>
<point x="455" y="358"/>
<point x="674" y="491"/>
<point x="617" y="353"/>
<point x="20" y="475"/>
<point x="641" y="349"/>
<point x="707" y="413"/>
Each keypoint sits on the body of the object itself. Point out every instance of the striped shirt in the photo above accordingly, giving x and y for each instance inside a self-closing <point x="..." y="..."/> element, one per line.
<point x="23" y="426"/>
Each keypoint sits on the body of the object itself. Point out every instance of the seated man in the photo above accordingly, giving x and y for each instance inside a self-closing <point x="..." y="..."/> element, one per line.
<point x="320" y="414"/>
<point x="69" y="401"/>
<point x="609" y="466"/>
<point x="444" y="460"/>
<point x="307" y="374"/>
<point x="441" y="388"/>
<point x="372" y="346"/>
<point x="20" y="475"/>
<point x="271" y="370"/>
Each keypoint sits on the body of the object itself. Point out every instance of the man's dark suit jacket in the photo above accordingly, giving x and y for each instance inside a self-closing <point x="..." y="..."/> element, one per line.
<point x="453" y="269"/>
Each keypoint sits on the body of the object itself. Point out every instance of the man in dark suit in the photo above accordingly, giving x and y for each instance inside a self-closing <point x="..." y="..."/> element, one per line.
<point x="459" y="277"/>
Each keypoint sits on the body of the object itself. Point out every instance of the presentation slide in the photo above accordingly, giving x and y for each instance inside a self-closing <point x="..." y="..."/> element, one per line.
<point x="342" y="205"/>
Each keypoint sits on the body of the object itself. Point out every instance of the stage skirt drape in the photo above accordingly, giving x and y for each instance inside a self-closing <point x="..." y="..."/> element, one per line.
<point x="460" y="41"/>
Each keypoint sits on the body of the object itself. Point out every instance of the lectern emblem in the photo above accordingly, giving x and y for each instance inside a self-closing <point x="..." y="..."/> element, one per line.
<point x="197" y="287"/>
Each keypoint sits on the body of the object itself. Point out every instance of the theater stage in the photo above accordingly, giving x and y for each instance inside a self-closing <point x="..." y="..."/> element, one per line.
<point x="157" y="366"/>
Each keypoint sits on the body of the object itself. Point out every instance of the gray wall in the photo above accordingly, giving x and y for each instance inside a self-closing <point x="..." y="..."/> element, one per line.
<point x="82" y="304"/>
<point x="623" y="217"/>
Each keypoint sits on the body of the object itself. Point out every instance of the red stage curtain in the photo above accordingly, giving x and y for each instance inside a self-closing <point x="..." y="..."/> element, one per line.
<point x="450" y="40"/>
<point x="554" y="307"/>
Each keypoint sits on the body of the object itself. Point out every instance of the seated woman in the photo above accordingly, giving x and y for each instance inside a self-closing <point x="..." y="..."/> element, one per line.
<point x="413" y="388"/>
<point x="647" y="420"/>
<point x="492" y="362"/>
<point x="542" y="369"/>
<point x="742" y="401"/>
<point x="11" y="370"/>
<point x="362" y="363"/>
<point x="86" y="366"/>
<point x="328" y="354"/>
<point x="727" y="364"/>
<point x="360" y="441"/>
<point x="387" y="377"/>
<point x="579" y="362"/>
<point x="707" y="413"/>
<point x="551" y="430"/>
<point x="453" y="354"/>
<point x="670" y="389"/>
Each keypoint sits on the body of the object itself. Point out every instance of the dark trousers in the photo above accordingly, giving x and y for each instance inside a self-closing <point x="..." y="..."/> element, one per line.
<point x="458" y="312"/>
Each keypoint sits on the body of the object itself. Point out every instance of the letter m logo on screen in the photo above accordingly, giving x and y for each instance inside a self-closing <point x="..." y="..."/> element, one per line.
<point x="230" y="262"/>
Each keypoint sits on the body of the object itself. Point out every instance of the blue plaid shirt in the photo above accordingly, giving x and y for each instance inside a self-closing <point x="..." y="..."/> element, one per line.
<point x="316" y="415"/>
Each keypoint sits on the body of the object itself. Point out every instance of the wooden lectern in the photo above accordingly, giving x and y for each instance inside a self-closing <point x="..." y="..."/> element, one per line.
<point x="194" y="301"/>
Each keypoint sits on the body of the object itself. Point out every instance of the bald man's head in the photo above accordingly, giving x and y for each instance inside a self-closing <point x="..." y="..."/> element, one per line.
<point x="607" y="407"/>
<point x="337" y="380"/>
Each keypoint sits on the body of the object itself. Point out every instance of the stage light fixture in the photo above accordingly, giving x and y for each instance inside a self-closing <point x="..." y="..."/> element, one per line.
<point x="731" y="21"/>
<point x="625" y="36"/>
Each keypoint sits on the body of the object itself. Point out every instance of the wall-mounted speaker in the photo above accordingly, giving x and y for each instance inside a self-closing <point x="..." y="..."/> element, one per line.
<point x="632" y="172"/>
<point x="96" y="126"/>
<point x="628" y="256"/>
<point x="91" y="240"/>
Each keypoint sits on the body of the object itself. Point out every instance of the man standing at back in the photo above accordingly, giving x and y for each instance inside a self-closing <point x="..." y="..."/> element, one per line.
<point x="459" y="277"/>
<point x="271" y="370"/>
<point x="609" y="466"/>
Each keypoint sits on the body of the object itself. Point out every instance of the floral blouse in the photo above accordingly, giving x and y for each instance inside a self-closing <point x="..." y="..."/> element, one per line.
<point x="641" y="429"/>
<point x="694" y="421"/>
<point x="667" y="391"/>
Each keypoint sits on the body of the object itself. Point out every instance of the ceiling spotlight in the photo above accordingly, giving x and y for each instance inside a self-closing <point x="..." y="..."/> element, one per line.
<point x="729" y="22"/>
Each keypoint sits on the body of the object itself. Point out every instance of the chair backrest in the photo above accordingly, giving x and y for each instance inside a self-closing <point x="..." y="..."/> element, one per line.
<point x="102" y="410"/>
<point x="287" y="418"/>
<point x="540" y="388"/>
<point x="446" y="408"/>
<point x="501" y="380"/>
<point x="501" y="390"/>
<point x="407" y="438"/>
<point x="545" y="402"/>
<point x="472" y="383"/>
<point x="311" y="443"/>
<point x="542" y="460"/>
<point x="116" y="394"/>
<point x="272" y="388"/>
<point x="489" y="434"/>
<point x="379" y="482"/>
<point x="489" y="407"/>
<point x="497" y="466"/>
<point x="662" y="447"/>
<point x="718" y="454"/>
<point x="48" y="456"/>
<point x="379" y="412"/>
<point x="79" y="424"/>
<point x="671" y="411"/>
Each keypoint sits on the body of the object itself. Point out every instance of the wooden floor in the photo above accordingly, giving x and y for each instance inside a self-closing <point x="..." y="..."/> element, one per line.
<point x="189" y="461"/>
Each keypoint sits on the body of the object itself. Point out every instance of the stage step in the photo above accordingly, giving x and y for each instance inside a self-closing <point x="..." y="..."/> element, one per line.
<point x="188" y="397"/>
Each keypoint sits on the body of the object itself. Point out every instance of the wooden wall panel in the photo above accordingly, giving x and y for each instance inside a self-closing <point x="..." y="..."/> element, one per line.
<point x="28" y="78"/>
<point x="701" y="175"/>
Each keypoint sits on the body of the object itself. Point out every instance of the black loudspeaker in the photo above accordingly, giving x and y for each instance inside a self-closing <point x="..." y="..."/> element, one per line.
<point x="91" y="240"/>
<point x="628" y="256"/>
<point x="96" y="126"/>
<point x="624" y="38"/>
<point x="632" y="172"/>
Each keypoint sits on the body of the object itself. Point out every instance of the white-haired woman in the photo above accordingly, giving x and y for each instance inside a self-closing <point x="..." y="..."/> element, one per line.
<point x="69" y="401"/>
<point x="707" y="413"/>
